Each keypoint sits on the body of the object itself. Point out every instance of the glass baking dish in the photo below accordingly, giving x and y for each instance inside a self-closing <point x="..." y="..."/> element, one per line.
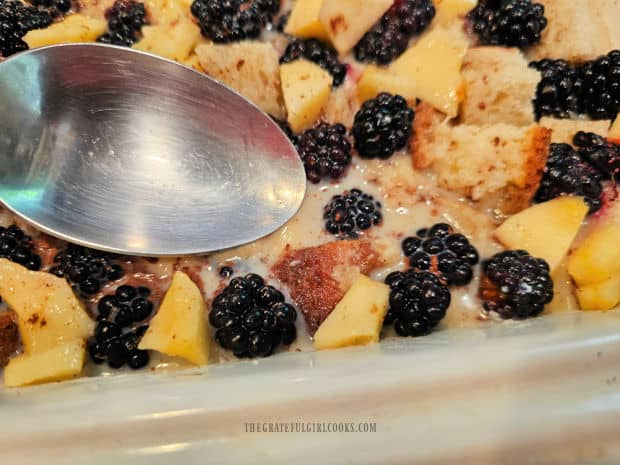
<point x="542" y="391"/>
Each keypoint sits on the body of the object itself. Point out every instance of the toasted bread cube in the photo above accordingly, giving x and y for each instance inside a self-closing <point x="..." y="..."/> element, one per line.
<point x="498" y="165"/>
<point x="569" y="23"/>
<point x="318" y="277"/>
<point x="251" y="68"/>
<point x="499" y="87"/>
<point x="563" y="130"/>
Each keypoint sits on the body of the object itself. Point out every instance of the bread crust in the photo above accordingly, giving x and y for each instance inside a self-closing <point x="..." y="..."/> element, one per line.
<point x="436" y="141"/>
<point x="518" y="197"/>
<point x="563" y="130"/>
<point x="318" y="277"/>
<point x="499" y="86"/>
<point x="577" y="30"/>
<point x="424" y="124"/>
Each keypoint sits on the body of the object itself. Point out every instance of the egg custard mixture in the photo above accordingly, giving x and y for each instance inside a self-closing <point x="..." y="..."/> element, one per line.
<point x="462" y="163"/>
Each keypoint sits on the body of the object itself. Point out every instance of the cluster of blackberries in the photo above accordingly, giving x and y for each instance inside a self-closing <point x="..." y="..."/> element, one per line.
<point x="350" y="213"/>
<point x="382" y="126"/>
<point x="86" y="269"/>
<point x="567" y="172"/>
<point x="418" y="302"/>
<point x="116" y="335"/>
<point x="110" y="344"/>
<point x="125" y="21"/>
<point x="53" y="8"/>
<point x="251" y="318"/>
<point x="325" y="151"/>
<point x="600" y="153"/>
<point x="16" y="246"/>
<point x="443" y="252"/>
<point x="390" y="36"/>
<point x="513" y="23"/>
<point x="16" y="19"/>
<point x="515" y="284"/>
<point x="128" y="305"/>
<point x="592" y="88"/>
<point x="234" y="20"/>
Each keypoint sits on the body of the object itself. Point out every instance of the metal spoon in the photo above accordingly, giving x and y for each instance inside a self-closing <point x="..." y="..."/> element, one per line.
<point x="130" y="153"/>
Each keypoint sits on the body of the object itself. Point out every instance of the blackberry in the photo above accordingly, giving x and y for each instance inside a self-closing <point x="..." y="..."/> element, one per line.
<point x="225" y="21"/>
<point x="515" y="284"/>
<point x="110" y="344"/>
<point x="125" y="21"/>
<point x="443" y="252"/>
<point x="281" y="22"/>
<point x="513" y="23"/>
<point x="45" y="11"/>
<point x="592" y="89"/>
<point x="584" y="139"/>
<point x="18" y="247"/>
<point x="41" y="17"/>
<point x="325" y="151"/>
<point x="390" y="36"/>
<point x="558" y="91"/>
<point x="54" y="7"/>
<point x="318" y="52"/>
<point x="16" y="19"/>
<point x="600" y="81"/>
<point x="87" y="270"/>
<point x="601" y="154"/>
<point x="350" y="213"/>
<point x="382" y="126"/>
<point x="251" y="318"/>
<point x="418" y="302"/>
<point x="567" y="173"/>
<point x="226" y="272"/>
<point x="127" y="306"/>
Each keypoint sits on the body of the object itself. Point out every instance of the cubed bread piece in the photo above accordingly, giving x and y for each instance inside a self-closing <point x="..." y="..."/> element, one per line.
<point x="342" y="105"/>
<point x="610" y="13"/>
<point x="498" y="165"/>
<point x="576" y="30"/>
<point x="499" y="87"/>
<point x="9" y="336"/>
<point x="251" y="68"/>
<point x="318" y="277"/>
<point x="565" y="129"/>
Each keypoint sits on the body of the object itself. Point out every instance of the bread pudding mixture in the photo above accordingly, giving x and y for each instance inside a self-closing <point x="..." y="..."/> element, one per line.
<point x="462" y="167"/>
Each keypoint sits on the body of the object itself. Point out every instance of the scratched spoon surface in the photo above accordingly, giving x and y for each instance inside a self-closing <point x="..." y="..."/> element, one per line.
<point x="126" y="152"/>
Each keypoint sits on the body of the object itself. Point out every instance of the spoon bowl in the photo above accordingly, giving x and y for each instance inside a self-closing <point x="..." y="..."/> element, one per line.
<point x="126" y="152"/>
